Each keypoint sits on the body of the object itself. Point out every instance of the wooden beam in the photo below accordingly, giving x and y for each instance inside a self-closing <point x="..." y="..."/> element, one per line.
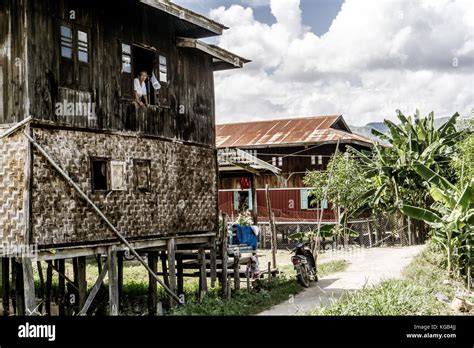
<point x="172" y="268"/>
<point x="94" y="291"/>
<point x="152" y="284"/>
<point x="6" y="285"/>
<point x="113" y="282"/>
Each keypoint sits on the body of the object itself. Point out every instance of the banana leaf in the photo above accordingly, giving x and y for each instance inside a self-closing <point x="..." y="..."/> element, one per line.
<point x="421" y="214"/>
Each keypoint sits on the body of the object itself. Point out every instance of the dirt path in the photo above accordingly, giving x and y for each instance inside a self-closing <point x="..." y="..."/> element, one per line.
<point x="366" y="266"/>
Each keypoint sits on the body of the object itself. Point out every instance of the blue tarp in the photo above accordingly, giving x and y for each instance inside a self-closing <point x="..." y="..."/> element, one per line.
<point x="245" y="235"/>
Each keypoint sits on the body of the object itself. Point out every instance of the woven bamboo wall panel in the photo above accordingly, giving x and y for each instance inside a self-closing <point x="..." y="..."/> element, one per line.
<point x="13" y="151"/>
<point x="182" y="197"/>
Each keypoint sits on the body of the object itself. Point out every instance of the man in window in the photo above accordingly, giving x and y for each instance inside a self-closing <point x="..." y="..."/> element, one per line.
<point x="139" y="89"/>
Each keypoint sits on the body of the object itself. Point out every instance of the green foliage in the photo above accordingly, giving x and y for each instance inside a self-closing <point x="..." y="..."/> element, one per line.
<point x="463" y="161"/>
<point x="347" y="183"/>
<point x="254" y="302"/>
<point x="343" y="183"/>
<point x="244" y="220"/>
<point x="414" y="295"/>
<point x="413" y="141"/>
<point x="243" y="302"/>
<point x="453" y="225"/>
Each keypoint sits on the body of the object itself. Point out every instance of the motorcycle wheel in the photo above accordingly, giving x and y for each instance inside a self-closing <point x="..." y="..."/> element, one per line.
<point x="303" y="276"/>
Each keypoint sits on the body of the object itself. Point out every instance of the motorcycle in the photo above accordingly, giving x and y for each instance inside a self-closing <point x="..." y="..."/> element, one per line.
<point x="304" y="263"/>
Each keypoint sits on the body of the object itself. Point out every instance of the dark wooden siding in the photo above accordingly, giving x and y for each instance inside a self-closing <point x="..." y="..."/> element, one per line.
<point x="190" y="87"/>
<point x="12" y="61"/>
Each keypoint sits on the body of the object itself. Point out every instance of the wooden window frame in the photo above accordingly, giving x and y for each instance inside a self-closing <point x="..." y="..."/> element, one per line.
<point x="76" y="63"/>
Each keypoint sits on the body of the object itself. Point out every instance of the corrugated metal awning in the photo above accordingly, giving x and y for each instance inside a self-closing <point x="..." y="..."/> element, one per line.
<point x="236" y="159"/>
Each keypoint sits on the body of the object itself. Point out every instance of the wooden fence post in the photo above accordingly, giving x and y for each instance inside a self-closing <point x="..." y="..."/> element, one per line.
<point x="236" y="271"/>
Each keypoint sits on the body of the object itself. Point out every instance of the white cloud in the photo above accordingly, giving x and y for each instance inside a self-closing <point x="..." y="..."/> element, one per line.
<point x="377" y="56"/>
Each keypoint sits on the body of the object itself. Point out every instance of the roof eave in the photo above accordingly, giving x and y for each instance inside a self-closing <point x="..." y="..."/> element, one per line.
<point x="224" y="59"/>
<point x="187" y="15"/>
<point x="326" y="142"/>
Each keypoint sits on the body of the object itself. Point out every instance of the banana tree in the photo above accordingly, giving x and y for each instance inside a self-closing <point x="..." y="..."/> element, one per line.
<point x="391" y="168"/>
<point x="451" y="216"/>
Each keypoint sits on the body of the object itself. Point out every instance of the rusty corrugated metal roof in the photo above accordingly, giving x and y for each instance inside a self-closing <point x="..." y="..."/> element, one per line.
<point x="310" y="130"/>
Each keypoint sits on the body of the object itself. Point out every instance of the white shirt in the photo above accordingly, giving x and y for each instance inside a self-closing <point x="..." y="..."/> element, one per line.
<point x="140" y="89"/>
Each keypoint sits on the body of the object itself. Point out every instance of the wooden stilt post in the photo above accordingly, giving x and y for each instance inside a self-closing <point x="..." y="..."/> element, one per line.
<point x="6" y="285"/>
<point x="113" y="281"/>
<point x="152" y="284"/>
<point x="49" y="284"/>
<point x="272" y="225"/>
<point x="179" y="262"/>
<point x="13" y="287"/>
<point x="164" y="267"/>
<point x="236" y="272"/>
<point x="19" y="289"/>
<point x="81" y="281"/>
<point x="61" y="286"/>
<point x="247" y="274"/>
<point x="172" y="268"/>
<point x="254" y="199"/>
<point x="29" y="286"/>
<point x="224" y="257"/>
<point x="41" y="292"/>
<point x="120" y="277"/>
<point x="213" y="263"/>
<point x="202" y="274"/>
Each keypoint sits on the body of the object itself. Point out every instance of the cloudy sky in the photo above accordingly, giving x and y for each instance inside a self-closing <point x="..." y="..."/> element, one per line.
<point x="360" y="58"/>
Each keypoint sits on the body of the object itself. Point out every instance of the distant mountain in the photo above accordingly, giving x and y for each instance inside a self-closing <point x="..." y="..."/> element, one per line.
<point x="381" y="127"/>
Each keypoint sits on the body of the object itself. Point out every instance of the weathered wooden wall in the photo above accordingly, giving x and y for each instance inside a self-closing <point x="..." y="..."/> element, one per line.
<point x="190" y="75"/>
<point x="13" y="67"/>
<point x="182" y="198"/>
